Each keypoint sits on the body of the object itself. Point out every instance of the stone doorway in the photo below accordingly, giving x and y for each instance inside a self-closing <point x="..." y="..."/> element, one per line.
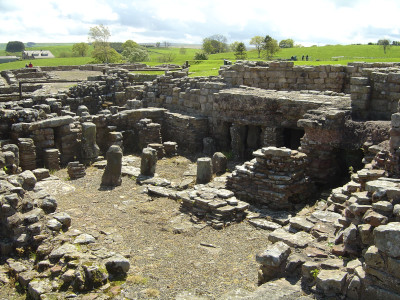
<point x="292" y="137"/>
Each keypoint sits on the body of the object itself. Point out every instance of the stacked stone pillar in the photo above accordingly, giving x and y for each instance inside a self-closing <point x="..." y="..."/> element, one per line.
<point x="27" y="154"/>
<point x="276" y="178"/>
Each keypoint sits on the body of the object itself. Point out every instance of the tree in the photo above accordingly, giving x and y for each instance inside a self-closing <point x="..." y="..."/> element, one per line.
<point x="288" y="43"/>
<point x="117" y="47"/>
<point x="216" y="43"/>
<point x="158" y="45"/>
<point x="108" y="55"/>
<point x="233" y="46"/>
<point x="200" y="56"/>
<point x="270" y="47"/>
<point x="385" y="44"/>
<point x="182" y="50"/>
<point x="258" y="42"/>
<point x="100" y="35"/>
<point x="15" y="46"/>
<point x="80" y="49"/>
<point x="240" y="51"/>
<point x="133" y="52"/>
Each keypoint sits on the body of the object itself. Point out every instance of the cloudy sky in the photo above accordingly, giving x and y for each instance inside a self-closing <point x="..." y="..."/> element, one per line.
<point x="308" y="22"/>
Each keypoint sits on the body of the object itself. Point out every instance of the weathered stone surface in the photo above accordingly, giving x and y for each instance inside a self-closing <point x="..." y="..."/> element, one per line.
<point x="204" y="170"/>
<point x="59" y="252"/>
<point x="298" y="240"/>
<point x="84" y="239"/>
<point x="331" y="281"/>
<point x="275" y="255"/>
<point x="112" y="172"/>
<point x="219" y="162"/>
<point x="387" y="239"/>
<point x="392" y="189"/>
<point x="90" y="150"/>
<point x="148" y="162"/>
<point x="300" y="223"/>
<point x="63" y="218"/>
<point x="38" y="287"/>
<point x="264" y="224"/>
<point x="374" y="218"/>
<point x="325" y="216"/>
<point x="28" y="179"/>
<point x="117" y="264"/>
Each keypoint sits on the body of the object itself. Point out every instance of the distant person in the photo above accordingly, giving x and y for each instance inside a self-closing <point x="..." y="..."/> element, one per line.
<point x="302" y="58"/>
<point x="307" y="58"/>
<point x="26" y="66"/>
<point x="30" y="65"/>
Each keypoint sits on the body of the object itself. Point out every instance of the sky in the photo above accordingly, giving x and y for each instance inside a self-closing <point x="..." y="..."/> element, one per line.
<point x="307" y="22"/>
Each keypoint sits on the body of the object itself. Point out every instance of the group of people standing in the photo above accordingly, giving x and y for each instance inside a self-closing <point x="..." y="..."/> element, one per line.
<point x="302" y="58"/>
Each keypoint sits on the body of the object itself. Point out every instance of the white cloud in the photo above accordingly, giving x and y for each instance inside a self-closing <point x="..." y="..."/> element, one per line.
<point x="308" y="21"/>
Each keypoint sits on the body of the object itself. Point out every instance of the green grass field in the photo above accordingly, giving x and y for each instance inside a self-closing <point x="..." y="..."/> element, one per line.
<point x="333" y="54"/>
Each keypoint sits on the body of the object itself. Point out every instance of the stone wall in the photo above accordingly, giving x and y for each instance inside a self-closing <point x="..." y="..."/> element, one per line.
<point x="286" y="76"/>
<point x="187" y="131"/>
<point x="375" y="94"/>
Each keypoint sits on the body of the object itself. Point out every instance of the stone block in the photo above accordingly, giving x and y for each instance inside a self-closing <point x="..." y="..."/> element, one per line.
<point x="387" y="239"/>
<point x="275" y="255"/>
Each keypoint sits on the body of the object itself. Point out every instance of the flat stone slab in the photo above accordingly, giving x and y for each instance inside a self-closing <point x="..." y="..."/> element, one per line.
<point x="130" y="171"/>
<point x="391" y="187"/>
<point x="301" y="223"/>
<point x="158" y="191"/>
<point x="51" y="123"/>
<point x="55" y="187"/>
<point x="297" y="240"/>
<point x="324" y="216"/>
<point x="264" y="224"/>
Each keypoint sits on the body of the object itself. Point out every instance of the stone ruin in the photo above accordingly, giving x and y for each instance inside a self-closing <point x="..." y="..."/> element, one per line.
<point x="298" y="131"/>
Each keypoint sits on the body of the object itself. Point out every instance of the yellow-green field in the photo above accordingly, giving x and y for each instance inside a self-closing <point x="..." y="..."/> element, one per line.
<point x="336" y="54"/>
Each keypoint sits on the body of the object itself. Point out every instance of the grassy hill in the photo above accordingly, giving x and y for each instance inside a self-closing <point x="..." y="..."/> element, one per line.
<point x="332" y="54"/>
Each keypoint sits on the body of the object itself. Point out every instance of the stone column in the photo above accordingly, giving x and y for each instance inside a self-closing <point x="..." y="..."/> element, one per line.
<point x="219" y="162"/>
<point x="112" y="173"/>
<point x="238" y="142"/>
<point x="204" y="170"/>
<point x="148" y="162"/>
<point x="89" y="150"/>
<point x="27" y="154"/>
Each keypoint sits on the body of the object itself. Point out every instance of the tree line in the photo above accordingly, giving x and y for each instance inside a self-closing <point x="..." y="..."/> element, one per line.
<point x="107" y="52"/>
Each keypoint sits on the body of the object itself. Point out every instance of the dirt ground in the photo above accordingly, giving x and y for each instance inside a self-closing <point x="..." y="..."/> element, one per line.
<point x="66" y="75"/>
<point x="199" y="260"/>
<point x="170" y="256"/>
